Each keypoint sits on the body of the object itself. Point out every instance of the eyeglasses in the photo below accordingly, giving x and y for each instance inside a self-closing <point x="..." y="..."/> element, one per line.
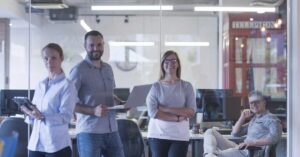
<point x="170" y="61"/>
<point x="255" y="102"/>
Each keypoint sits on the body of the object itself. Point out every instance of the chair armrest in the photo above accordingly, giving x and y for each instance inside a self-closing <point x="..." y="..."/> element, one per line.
<point x="253" y="148"/>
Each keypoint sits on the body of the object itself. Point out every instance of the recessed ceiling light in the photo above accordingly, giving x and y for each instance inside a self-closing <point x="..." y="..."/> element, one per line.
<point x="85" y="26"/>
<point x="122" y="43"/>
<point x="131" y="7"/>
<point x="234" y="9"/>
<point x="186" y="43"/>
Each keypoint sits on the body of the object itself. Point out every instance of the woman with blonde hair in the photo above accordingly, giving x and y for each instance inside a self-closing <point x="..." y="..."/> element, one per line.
<point x="170" y="102"/>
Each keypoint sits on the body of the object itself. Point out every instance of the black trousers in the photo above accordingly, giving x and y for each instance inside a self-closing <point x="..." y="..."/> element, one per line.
<point x="168" y="148"/>
<point x="65" y="152"/>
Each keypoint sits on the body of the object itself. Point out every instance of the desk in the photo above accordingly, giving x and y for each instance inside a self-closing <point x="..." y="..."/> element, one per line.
<point x="196" y="141"/>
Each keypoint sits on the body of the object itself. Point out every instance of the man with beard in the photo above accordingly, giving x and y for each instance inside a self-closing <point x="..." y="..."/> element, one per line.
<point x="97" y="132"/>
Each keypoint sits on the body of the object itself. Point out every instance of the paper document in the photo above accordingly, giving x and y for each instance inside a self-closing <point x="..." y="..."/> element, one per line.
<point x="116" y="107"/>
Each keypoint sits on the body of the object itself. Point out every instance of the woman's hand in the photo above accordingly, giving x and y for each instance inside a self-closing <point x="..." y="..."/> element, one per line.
<point x="182" y="118"/>
<point x="185" y="112"/>
<point x="34" y="112"/>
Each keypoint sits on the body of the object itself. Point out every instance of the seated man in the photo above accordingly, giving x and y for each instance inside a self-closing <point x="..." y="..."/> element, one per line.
<point x="263" y="129"/>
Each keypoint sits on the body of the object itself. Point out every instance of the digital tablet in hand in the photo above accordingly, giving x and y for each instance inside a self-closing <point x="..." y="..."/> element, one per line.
<point x="23" y="101"/>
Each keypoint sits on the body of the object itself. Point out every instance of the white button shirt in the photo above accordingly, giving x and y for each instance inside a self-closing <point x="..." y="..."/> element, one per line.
<point x="56" y="100"/>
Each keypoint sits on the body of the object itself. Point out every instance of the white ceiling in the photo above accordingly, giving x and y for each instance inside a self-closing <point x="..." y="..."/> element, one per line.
<point x="180" y="6"/>
<point x="16" y="8"/>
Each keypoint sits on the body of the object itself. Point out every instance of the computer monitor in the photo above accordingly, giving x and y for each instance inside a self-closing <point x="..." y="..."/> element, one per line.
<point x="202" y="93"/>
<point x="212" y="108"/>
<point x="7" y="105"/>
<point x="232" y="108"/>
<point x="218" y="105"/>
<point x="122" y="93"/>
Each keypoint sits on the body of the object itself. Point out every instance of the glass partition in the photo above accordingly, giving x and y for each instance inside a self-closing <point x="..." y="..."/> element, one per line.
<point x="247" y="50"/>
<point x="250" y="45"/>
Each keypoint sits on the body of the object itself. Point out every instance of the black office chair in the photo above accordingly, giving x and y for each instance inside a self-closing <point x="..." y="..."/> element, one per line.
<point x="267" y="151"/>
<point x="131" y="137"/>
<point x="18" y="125"/>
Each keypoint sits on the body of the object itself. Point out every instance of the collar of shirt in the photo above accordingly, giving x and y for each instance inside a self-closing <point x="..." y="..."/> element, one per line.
<point x="90" y="64"/>
<point x="55" y="79"/>
<point x="261" y="115"/>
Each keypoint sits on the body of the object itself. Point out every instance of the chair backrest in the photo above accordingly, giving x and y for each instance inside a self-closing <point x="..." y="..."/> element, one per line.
<point x="18" y="125"/>
<point x="280" y="150"/>
<point x="266" y="151"/>
<point x="131" y="137"/>
<point x="269" y="151"/>
<point x="9" y="144"/>
<point x="143" y="120"/>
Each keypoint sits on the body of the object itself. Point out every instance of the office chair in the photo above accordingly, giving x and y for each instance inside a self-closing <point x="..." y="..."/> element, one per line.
<point x="18" y="125"/>
<point x="9" y="144"/>
<point x="131" y="137"/>
<point x="267" y="151"/>
<point x="143" y="120"/>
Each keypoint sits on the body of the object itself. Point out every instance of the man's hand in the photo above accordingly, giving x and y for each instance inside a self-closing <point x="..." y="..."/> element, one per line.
<point x="246" y="144"/>
<point x="246" y="114"/>
<point x="34" y="112"/>
<point x="182" y="118"/>
<point x="100" y="110"/>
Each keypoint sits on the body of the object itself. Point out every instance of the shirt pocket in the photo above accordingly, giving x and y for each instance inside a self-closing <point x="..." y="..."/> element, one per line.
<point x="109" y="83"/>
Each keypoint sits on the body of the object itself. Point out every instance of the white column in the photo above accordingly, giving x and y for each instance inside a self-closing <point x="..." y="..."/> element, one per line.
<point x="294" y="80"/>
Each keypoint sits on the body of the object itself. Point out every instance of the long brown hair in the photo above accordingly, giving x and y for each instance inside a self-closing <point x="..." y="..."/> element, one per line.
<point x="162" y="71"/>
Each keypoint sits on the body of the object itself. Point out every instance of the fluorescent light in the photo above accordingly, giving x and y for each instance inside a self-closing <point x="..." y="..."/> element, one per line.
<point x="49" y="6"/>
<point x="114" y="43"/>
<point x="186" y="43"/>
<point x="132" y="7"/>
<point x="235" y="9"/>
<point x="86" y="27"/>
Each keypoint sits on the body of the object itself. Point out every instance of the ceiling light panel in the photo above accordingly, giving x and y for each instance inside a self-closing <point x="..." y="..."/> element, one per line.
<point x="131" y="7"/>
<point x="234" y="9"/>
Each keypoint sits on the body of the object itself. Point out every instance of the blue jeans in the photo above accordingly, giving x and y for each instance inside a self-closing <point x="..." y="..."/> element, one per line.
<point x="168" y="148"/>
<point x="99" y="145"/>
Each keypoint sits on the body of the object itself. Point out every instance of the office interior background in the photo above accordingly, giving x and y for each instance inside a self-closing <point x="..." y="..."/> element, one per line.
<point x="239" y="50"/>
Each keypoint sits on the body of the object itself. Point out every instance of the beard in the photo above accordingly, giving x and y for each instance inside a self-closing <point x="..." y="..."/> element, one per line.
<point x="95" y="55"/>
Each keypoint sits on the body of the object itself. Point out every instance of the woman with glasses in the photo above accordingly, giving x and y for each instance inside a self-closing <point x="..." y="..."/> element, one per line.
<point x="170" y="102"/>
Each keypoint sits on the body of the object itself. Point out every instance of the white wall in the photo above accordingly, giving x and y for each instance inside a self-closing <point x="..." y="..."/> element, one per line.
<point x="199" y="64"/>
<point x="2" y="64"/>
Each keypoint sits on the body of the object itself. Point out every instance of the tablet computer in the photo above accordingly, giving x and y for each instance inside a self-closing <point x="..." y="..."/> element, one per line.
<point x="23" y="101"/>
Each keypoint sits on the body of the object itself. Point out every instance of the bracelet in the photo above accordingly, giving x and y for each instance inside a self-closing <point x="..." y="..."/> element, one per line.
<point x="178" y="118"/>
